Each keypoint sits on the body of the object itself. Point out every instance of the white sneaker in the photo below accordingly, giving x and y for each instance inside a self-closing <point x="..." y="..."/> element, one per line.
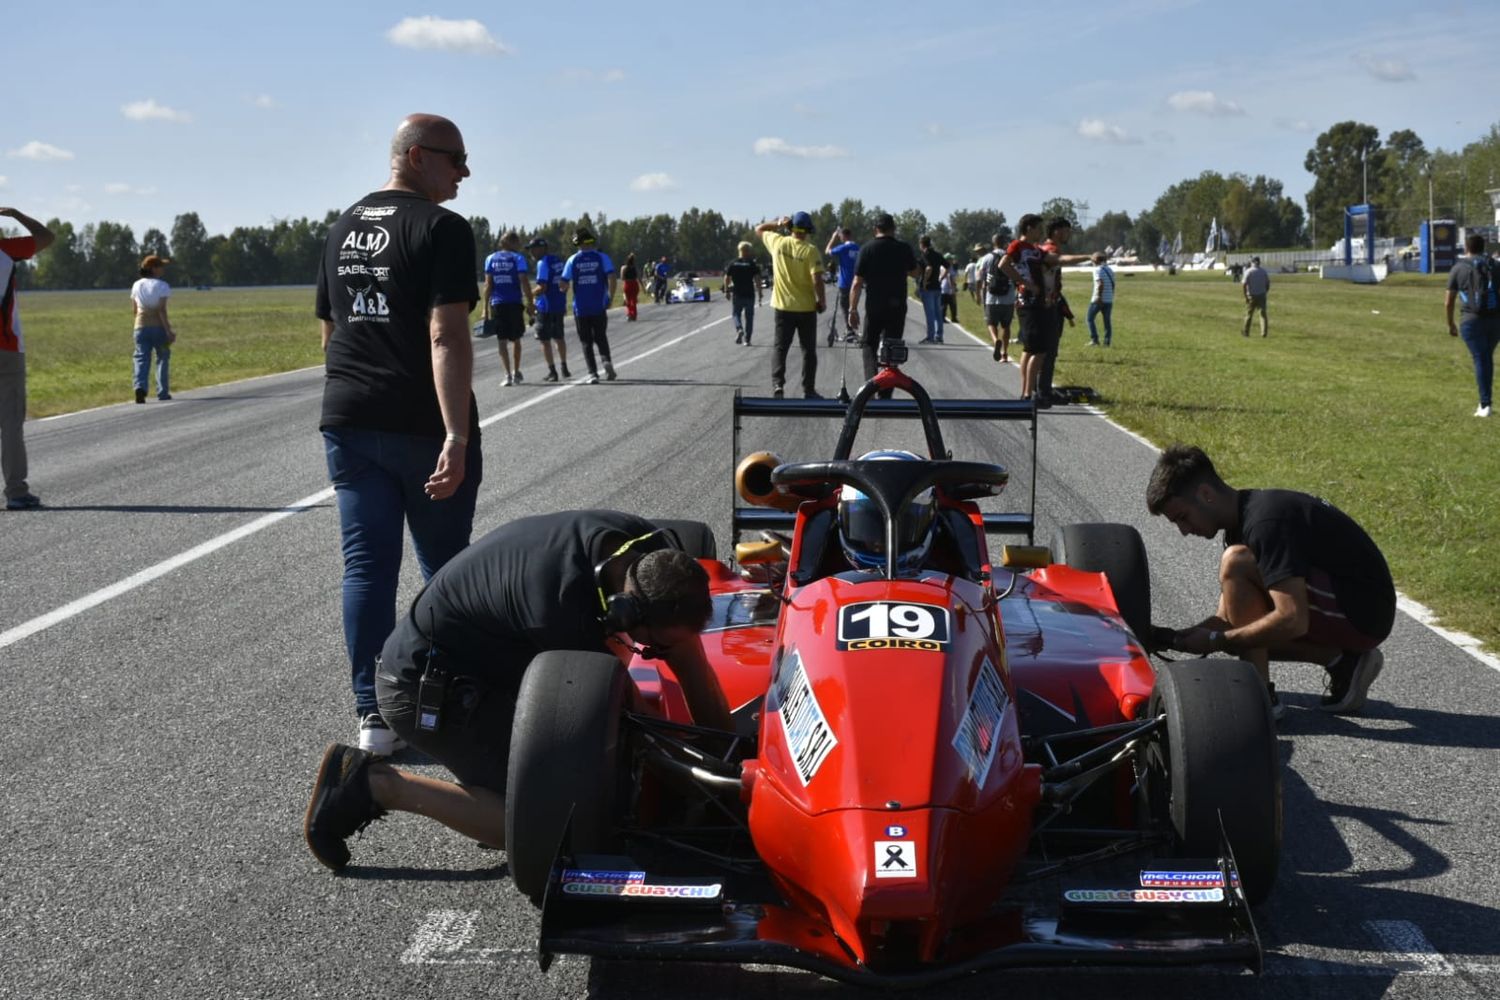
<point x="376" y="738"/>
<point x="1483" y="411"/>
<point x="593" y="379"/>
<point x="509" y="380"/>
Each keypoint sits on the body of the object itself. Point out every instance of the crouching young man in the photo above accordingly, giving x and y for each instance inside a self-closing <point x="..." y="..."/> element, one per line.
<point x="536" y="584"/>
<point x="1299" y="580"/>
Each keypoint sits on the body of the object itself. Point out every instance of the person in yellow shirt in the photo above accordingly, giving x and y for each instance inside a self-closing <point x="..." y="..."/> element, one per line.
<point x="796" y="297"/>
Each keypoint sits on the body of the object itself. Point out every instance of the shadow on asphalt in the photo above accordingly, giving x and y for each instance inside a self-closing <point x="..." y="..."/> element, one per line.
<point x="1422" y="727"/>
<point x="172" y="509"/>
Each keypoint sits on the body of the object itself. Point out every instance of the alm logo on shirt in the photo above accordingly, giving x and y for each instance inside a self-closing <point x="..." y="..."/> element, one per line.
<point x="368" y="242"/>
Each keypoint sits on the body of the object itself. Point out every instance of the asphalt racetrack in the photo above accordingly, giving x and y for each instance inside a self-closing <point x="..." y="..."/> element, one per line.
<point x="171" y="666"/>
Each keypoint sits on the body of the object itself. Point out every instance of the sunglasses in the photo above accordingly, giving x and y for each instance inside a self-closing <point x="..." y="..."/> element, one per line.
<point x="459" y="157"/>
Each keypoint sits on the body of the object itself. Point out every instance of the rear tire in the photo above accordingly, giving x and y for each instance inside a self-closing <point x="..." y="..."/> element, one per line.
<point x="1218" y="757"/>
<point x="1116" y="550"/>
<point x="564" y="760"/>
<point x="693" y="537"/>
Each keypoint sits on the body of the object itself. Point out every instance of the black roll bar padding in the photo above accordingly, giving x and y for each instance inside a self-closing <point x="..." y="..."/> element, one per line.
<point x="923" y="402"/>
<point x="891" y="484"/>
<point x="766" y="519"/>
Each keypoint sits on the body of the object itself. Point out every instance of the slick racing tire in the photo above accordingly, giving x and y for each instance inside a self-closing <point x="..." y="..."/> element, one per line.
<point x="693" y="537"/>
<point x="566" y="782"/>
<point x="1116" y="550"/>
<point x="1218" y="759"/>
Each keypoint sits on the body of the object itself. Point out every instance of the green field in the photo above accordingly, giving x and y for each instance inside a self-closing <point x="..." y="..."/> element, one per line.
<point x="1358" y="395"/>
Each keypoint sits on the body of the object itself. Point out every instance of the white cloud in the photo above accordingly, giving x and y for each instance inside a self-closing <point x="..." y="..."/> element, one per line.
<point x="1097" y="130"/>
<point x="613" y="76"/>
<point x="773" y="146"/>
<point x="263" y="101"/>
<point x="40" y="151"/>
<point x="116" y="187"/>
<point x="1295" y="125"/>
<point x="653" y="182"/>
<point x="1388" y="70"/>
<point x="428" y="32"/>
<point x="140" y="111"/>
<point x="1203" y="102"/>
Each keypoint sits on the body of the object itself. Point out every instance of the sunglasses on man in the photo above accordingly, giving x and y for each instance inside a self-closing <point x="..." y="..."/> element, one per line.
<point x="459" y="157"/>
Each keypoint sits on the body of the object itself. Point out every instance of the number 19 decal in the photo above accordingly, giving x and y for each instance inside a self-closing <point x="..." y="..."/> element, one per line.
<point x="893" y="625"/>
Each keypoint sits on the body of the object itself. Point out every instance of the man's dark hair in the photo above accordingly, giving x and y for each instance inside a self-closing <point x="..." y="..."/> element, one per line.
<point x="1028" y="221"/>
<point x="1059" y="223"/>
<point x="998" y="240"/>
<point x="885" y="223"/>
<point x="674" y="589"/>
<point x="1181" y="469"/>
<point x="847" y="233"/>
<point x="1474" y="243"/>
<point x="924" y="241"/>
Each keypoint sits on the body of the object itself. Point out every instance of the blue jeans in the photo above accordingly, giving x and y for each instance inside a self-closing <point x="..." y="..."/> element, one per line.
<point x="1481" y="334"/>
<point x="148" y="339"/>
<point x="932" y="308"/>
<point x="1095" y="309"/>
<point x="377" y="479"/>
<point x="744" y="314"/>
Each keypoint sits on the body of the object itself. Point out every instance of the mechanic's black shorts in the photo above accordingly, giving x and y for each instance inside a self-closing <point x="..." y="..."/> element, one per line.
<point x="549" y="325"/>
<point x="473" y="739"/>
<point x="592" y="328"/>
<point x="998" y="315"/>
<point x="1039" y="330"/>
<point x="508" y="320"/>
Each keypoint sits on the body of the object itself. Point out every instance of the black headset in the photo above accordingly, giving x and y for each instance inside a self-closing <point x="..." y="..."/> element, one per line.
<point x="623" y="611"/>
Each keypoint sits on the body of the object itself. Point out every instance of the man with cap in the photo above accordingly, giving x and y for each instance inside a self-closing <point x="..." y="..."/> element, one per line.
<point x="882" y="269"/>
<point x="742" y="284"/>
<point x="1257" y="285"/>
<point x="550" y="303"/>
<point x="18" y="495"/>
<point x="592" y="276"/>
<point x="844" y="251"/>
<point x="797" y="297"/>
<point x="507" y="299"/>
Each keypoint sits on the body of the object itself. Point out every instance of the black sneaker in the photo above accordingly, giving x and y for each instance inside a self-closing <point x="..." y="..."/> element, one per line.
<point x="140" y="395"/>
<point x="1276" y="710"/>
<point x="341" y="804"/>
<point x="566" y="373"/>
<point x="609" y="371"/>
<point x="26" y="501"/>
<point x="551" y="375"/>
<point x="996" y="352"/>
<point x="1349" y="680"/>
<point x="814" y="394"/>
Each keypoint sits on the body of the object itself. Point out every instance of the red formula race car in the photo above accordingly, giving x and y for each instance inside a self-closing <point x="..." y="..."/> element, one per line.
<point x="943" y="763"/>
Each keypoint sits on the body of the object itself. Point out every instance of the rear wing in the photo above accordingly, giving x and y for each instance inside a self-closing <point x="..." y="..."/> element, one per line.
<point x="920" y="407"/>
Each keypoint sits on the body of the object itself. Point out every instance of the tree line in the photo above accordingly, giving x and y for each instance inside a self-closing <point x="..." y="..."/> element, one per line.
<point x="1349" y="163"/>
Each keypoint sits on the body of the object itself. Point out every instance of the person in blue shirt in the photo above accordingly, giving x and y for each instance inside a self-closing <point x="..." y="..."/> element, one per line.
<point x="507" y="302"/>
<point x="659" y="280"/>
<point x="592" y="276"/>
<point x="842" y="248"/>
<point x="550" y="305"/>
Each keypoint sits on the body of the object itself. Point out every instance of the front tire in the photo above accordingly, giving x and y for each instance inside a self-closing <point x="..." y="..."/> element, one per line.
<point x="564" y="762"/>
<point x="1218" y="758"/>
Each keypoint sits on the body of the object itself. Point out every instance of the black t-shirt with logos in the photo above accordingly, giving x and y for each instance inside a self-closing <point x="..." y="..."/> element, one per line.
<point x="1293" y="533"/>
<point x="526" y="587"/>
<point x="884" y="264"/>
<point x="932" y="270"/>
<point x="742" y="274"/>
<point x="388" y="261"/>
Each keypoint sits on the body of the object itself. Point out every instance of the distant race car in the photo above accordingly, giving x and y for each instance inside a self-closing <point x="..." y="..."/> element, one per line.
<point x="942" y="761"/>
<point x="687" y="289"/>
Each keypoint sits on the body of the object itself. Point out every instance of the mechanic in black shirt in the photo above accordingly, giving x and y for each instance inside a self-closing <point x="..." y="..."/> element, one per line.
<point x="536" y="584"/>
<point x="400" y="426"/>
<point x="742" y="275"/>
<point x="881" y="272"/>
<point x="1299" y="579"/>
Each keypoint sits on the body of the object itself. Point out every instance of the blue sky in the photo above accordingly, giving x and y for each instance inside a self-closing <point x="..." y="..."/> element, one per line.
<point x="248" y="113"/>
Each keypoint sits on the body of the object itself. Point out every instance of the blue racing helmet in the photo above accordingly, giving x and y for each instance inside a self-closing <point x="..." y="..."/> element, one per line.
<point x="862" y="526"/>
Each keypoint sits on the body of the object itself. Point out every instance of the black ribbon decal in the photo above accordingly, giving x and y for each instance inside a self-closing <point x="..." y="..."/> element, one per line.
<point x="893" y="857"/>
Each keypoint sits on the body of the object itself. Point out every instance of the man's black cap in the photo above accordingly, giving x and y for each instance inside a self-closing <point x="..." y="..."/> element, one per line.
<point x="536" y="241"/>
<point x="885" y="221"/>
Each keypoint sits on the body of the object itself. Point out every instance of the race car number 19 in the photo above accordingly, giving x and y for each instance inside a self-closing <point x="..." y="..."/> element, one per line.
<point x="893" y="625"/>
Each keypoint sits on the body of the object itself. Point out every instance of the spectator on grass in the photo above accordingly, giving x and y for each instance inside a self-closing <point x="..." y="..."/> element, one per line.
<point x="400" y="426"/>
<point x="1473" y="282"/>
<point x="797" y="297"/>
<point x="152" y="329"/>
<point x="1257" y="285"/>
<point x="507" y="301"/>
<point x="1299" y="580"/>
<point x="1102" y="300"/>
<point x="18" y="495"/>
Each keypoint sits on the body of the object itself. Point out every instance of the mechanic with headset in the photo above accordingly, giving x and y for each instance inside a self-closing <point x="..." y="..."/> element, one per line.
<point x="594" y="580"/>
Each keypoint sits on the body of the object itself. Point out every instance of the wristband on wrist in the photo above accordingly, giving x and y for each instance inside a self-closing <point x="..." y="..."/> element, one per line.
<point x="461" y="439"/>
